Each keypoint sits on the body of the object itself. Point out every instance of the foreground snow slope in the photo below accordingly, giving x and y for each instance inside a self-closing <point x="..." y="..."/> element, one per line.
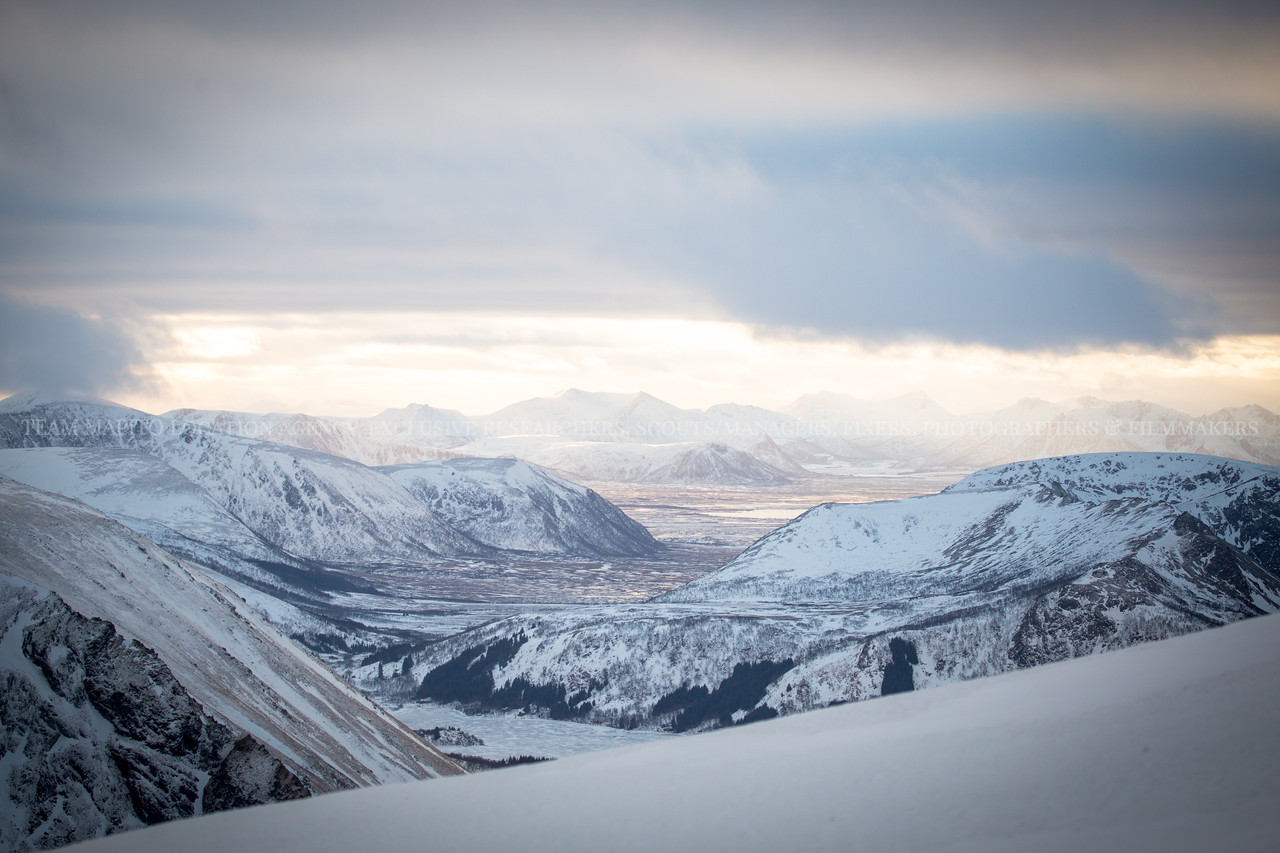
<point x="1170" y="746"/>
<point x="242" y="670"/>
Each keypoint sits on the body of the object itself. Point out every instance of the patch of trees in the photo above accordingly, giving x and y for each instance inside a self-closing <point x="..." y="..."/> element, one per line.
<point x="468" y="677"/>
<point x="897" y="673"/>
<point x="472" y="763"/>
<point x="468" y="680"/>
<point x="742" y="690"/>
<point x="322" y="643"/>
<point x="313" y="576"/>
<point x="390" y="654"/>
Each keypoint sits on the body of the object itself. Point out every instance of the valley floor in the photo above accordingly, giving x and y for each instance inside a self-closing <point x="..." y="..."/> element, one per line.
<point x="515" y="734"/>
<point x="738" y="516"/>
<point x="702" y="528"/>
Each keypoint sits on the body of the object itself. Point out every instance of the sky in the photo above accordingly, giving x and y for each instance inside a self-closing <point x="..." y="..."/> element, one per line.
<point x="338" y="208"/>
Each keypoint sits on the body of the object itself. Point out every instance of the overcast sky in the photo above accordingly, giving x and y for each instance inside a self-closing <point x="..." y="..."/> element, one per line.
<point x="345" y="207"/>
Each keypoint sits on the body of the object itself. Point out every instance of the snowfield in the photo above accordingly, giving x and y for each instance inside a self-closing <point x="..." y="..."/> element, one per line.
<point x="1169" y="746"/>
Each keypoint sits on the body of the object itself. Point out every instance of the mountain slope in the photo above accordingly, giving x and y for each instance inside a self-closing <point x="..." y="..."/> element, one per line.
<point x="1170" y="746"/>
<point x="152" y="498"/>
<point x="242" y="671"/>
<point x="1240" y="501"/>
<point x="852" y="601"/>
<point x="99" y="736"/>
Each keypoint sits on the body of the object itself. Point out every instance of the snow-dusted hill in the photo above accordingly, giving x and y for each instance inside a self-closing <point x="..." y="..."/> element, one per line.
<point x="1005" y="570"/>
<point x="720" y="464"/>
<point x="512" y="505"/>
<point x="1170" y="746"/>
<point x="218" y="671"/>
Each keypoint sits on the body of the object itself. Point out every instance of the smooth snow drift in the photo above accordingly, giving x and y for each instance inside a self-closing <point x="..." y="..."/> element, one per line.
<point x="1169" y="746"/>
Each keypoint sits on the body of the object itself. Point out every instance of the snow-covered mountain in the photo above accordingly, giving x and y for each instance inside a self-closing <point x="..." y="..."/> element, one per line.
<point x="267" y="502"/>
<point x="138" y="689"/>
<point x="720" y="464"/>
<point x="1011" y="568"/>
<point x="307" y="504"/>
<point x="512" y="505"/>
<point x="1170" y="746"/>
<point x="285" y="526"/>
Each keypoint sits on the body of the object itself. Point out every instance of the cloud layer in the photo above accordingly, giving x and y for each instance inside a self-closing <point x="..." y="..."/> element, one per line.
<point x="59" y="351"/>
<point x="1021" y="175"/>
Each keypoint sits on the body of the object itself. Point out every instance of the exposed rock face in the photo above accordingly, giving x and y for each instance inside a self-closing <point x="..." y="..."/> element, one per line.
<point x="250" y="774"/>
<point x="100" y="737"/>
<point x="137" y="689"/>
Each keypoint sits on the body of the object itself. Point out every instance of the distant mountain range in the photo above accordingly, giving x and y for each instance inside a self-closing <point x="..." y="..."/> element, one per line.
<point x="1012" y="567"/>
<point x="638" y="438"/>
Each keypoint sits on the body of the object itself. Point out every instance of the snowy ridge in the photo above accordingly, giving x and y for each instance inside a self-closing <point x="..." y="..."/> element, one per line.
<point x="307" y="504"/>
<point x="243" y="671"/>
<point x="395" y="436"/>
<point x="843" y="552"/>
<point x="1170" y="746"/>
<point x="1238" y="500"/>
